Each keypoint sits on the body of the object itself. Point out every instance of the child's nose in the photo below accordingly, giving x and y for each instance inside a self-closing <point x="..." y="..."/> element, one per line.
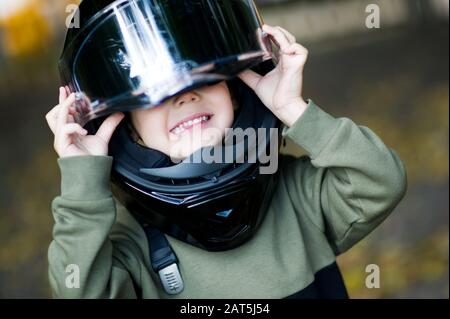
<point x="186" y="98"/>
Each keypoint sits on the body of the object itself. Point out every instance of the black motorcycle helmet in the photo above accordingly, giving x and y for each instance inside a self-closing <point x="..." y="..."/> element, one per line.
<point x="215" y="206"/>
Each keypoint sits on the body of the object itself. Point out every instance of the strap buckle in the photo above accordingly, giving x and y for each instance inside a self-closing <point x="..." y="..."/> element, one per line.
<point x="164" y="261"/>
<point x="171" y="279"/>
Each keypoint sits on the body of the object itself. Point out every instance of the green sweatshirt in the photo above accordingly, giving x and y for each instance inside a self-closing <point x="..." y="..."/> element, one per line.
<point x="324" y="204"/>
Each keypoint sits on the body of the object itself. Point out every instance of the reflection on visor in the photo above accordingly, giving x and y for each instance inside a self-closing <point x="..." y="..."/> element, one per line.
<point x="138" y="53"/>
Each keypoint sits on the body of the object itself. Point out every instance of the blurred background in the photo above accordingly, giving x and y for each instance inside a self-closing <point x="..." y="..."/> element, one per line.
<point x="393" y="79"/>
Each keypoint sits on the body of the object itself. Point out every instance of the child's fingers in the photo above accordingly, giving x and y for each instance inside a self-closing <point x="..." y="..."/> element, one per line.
<point x="296" y="49"/>
<point x="67" y="89"/>
<point x="62" y="95"/>
<point x="263" y="43"/>
<point x="63" y="112"/>
<point x="72" y="128"/>
<point x="108" y="127"/>
<point x="70" y="119"/>
<point x="62" y="140"/>
<point x="251" y="78"/>
<point x="72" y="110"/>
<point x="291" y="38"/>
<point x="278" y="36"/>
<point x="51" y="118"/>
<point x="52" y="115"/>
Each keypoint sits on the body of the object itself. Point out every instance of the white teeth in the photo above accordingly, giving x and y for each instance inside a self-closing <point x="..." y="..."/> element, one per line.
<point x="178" y="130"/>
<point x="181" y="128"/>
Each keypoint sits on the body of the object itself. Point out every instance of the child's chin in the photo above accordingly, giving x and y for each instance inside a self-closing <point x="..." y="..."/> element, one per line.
<point x="187" y="145"/>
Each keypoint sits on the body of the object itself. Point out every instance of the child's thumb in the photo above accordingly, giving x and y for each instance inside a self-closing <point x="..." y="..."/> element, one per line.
<point x="251" y="78"/>
<point x="108" y="127"/>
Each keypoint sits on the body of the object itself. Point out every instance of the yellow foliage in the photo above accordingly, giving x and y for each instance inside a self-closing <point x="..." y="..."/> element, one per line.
<point x="26" y="32"/>
<point x="401" y="266"/>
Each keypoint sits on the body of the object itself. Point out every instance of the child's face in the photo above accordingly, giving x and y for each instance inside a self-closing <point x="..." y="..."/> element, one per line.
<point x="170" y="127"/>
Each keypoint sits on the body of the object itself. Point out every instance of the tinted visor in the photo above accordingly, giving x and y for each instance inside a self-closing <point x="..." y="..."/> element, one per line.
<point x="138" y="53"/>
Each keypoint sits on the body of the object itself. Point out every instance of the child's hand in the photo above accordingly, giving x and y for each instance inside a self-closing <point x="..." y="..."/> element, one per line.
<point x="281" y="89"/>
<point x="70" y="138"/>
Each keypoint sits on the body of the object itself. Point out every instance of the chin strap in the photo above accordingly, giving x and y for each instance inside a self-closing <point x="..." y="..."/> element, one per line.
<point x="163" y="260"/>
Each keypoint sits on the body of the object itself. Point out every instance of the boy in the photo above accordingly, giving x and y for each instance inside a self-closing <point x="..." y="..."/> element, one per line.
<point x="322" y="204"/>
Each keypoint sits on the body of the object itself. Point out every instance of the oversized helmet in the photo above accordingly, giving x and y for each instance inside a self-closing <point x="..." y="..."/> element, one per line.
<point x="135" y="54"/>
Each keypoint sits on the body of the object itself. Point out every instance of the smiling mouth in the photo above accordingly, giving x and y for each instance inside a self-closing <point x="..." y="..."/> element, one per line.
<point x="190" y="122"/>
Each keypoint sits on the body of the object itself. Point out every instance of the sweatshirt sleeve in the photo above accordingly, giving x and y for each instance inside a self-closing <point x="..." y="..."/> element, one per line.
<point x="351" y="181"/>
<point x="83" y="261"/>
